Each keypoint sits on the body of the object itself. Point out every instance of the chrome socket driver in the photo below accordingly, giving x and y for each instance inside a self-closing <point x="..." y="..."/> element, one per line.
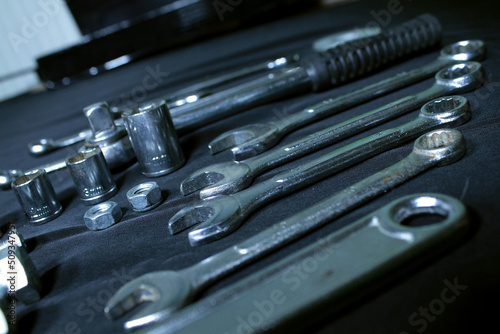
<point x="37" y="197"/>
<point x="91" y="176"/>
<point x="220" y="215"/>
<point x="252" y="139"/>
<point x="154" y="139"/>
<point x="111" y="139"/>
<point x="170" y="291"/>
<point x="334" y="272"/>
<point x="230" y="177"/>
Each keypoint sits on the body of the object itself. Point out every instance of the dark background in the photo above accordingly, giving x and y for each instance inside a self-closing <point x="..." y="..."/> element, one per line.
<point x="78" y="265"/>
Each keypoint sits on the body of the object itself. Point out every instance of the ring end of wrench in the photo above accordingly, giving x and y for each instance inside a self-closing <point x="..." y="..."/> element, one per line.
<point x="446" y="145"/>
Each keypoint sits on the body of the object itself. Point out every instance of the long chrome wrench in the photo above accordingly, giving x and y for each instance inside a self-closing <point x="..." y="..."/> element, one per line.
<point x="320" y="45"/>
<point x="250" y="140"/>
<point x="329" y="274"/>
<point x="170" y="291"/>
<point x="233" y="176"/>
<point x="220" y="215"/>
<point x="316" y="72"/>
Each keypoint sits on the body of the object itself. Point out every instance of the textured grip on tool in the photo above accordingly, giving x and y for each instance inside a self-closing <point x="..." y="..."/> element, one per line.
<point x="356" y="58"/>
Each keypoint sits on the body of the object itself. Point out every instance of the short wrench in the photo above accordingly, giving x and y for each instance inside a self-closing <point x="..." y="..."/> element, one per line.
<point x="252" y="139"/>
<point x="230" y="177"/>
<point x="220" y="215"/>
<point x="170" y="291"/>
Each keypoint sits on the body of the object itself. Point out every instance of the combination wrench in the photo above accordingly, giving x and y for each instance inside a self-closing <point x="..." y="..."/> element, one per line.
<point x="233" y="176"/>
<point x="170" y="291"/>
<point x="250" y="140"/>
<point x="348" y="265"/>
<point x="220" y="215"/>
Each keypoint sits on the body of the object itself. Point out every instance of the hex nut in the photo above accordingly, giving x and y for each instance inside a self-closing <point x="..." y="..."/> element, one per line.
<point x="145" y="196"/>
<point x="103" y="215"/>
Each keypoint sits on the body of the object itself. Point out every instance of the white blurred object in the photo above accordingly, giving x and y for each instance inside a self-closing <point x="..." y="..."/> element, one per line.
<point x="30" y="29"/>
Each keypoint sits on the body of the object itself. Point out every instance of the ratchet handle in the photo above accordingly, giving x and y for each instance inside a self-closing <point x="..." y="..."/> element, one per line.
<point x="353" y="59"/>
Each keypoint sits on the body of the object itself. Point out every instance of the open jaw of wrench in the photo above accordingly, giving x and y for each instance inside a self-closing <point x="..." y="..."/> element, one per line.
<point x="169" y="291"/>
<point x="220" y="215"/>
<point x="252" y="139"/>
<point x="233" y="176"/>
<point x="365" y="256"/>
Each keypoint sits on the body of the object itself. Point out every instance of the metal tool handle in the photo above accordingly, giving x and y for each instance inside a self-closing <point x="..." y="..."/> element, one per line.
<point x="243" y="97"/>
<point x="353" y="59"/>
<point x="317" y="140"/>
<point x="320" y="71"/>
<point x="332" y="106"/>
<point x="319" y="168"/>
<point x="351" y="259"/>
<point x="275" y="64"/>
<point x="344" y="60"/>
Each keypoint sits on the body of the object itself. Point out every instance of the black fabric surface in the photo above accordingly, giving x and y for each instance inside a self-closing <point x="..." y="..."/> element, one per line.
<point x="81" y="269"/>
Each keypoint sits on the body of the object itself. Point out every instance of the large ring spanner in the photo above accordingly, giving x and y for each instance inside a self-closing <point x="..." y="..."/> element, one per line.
<point x="230" y="177"/>
<point x="349" y="264"/>
<point x="252" y="139"/>
<point x="170" y="291"/>
<point x="220" y="215"/>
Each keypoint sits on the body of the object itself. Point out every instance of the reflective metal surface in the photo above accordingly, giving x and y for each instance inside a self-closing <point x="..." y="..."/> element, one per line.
<point x="329" y="274"/>
<point x="154" y="139"/>
<point x="170" y="291"/>
<point x="230" y="177"/>
<point x="252" y="139"/>
<point x="37" y="197"/>
<point x="91" y="176"/>
<point x="220" y="215"/>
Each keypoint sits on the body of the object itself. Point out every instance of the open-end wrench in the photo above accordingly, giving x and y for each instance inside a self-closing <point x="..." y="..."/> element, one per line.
<point x="252" y="139"/>
<point x="233" y="176"/>
<point x="220" y="215"/>
<point x="170" y="291"/>
<point x="329" y="274"/>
